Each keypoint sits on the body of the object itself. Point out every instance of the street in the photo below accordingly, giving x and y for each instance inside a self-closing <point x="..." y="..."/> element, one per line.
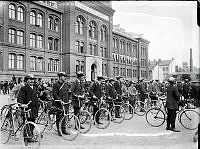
<point x="134" y="133"/>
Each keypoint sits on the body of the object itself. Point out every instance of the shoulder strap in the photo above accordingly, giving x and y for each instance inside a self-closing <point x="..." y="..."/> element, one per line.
<point x="61" y="86"/>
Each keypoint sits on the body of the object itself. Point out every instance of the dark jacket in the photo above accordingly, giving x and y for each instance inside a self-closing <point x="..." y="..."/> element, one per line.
<point x="172" y="97"/>
<point x="186" y="90"/>
<point x="96" y="89"/>
<point x="110" y="91"/>
<point x="118" y="87"/>
<point x="27" y="94"/>
<point x="77" y="88"/>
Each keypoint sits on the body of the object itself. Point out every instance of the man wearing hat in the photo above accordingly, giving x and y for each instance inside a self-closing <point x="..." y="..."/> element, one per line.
<point x="96" y="92"/>
<point x="186" y="89"/>
<point x="60" y="92"/>
<point x="78" y="91"/>
<point x="142" y="91"/>
<point x="27" y="93"/>
<point x="172" y="104"/>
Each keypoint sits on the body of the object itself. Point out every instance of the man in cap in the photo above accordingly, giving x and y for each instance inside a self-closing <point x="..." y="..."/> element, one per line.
<point x="186" y="89"/>
<point x="172" y="104"/>
<point x="78" y="91"/>
<point x="96" y="92"/>
<point x="29" y="93"/>
<point x="142" y="91"/>
<point x="60" y="92"/>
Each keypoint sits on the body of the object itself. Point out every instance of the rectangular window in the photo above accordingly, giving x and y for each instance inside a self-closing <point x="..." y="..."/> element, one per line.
<point x="20" y="61"/>
<point x="20" y="37"/>
<point x="56" y="64"/>
<point x="77" y="66"/>
<point x="11" y="61"/>
<point x="39" y="41"/>
<point x="101" y="51"/>
<point x="95" y="51"/>
<point x="1" y="60"/>
<point x="82" y="66"/>
<point x="56" y="45"/>
<point x="11" y="35"/>
<point x="40" y="64"/>
<point x="50" y="64"/>
<point x="82" y="47"/>
<point x="77" y="46"/>
<point x="91" y="49"/>
<point x="32" y="40"/>
<point x="32" y="63"/>
<point x="50" y="44"/>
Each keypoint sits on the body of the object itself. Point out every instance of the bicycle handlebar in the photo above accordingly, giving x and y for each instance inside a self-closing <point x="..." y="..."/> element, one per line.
<point x="62" y="102"/>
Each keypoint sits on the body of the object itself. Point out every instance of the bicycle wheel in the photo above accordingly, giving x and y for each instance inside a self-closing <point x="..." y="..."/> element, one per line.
<point x="139" y="108"/>
<point x="189" y="119"/>
<point x="69" y="127"/>
<point x="129" y="111"/>
<point x="30" y="135"/>
<point x="102" y="118"/>
<point x="85" y="121"/>
<point x="117" y="113"/>
<point x="155" y="117"/>
<point x="42" y="121"/>
<point x="6" y="126"/>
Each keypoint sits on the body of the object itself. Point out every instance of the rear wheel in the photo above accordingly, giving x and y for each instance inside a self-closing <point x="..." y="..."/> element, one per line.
<point x="102" y="118"/>
<point x="140" y="108"/>
<point x="6" y="126"/>
<point x="117" y="113"/>
<point x="129" y="111"/>
<point x="85" y="121"/>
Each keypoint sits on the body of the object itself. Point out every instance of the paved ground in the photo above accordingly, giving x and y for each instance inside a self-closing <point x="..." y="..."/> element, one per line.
<point x="135" y="133"/>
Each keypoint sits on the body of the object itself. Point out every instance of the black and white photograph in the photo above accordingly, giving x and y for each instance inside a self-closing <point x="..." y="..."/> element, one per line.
<point x="99" y="74"/>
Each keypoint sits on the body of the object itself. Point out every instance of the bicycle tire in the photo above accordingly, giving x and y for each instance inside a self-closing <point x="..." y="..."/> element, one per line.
<point x="139" y="110"/>
<point x="30" y="135"/>
<point x="189" y="119"/>
<point x="104" y="118"/>
<point x="121" y="115"/>
<point x="42" y="121"/>
<point x="6" y="130"/>
<point x="155" y="117"/>
<point x="85" y="121"/>
<point x="129" y="111"/>
<point x="71" y="125"/>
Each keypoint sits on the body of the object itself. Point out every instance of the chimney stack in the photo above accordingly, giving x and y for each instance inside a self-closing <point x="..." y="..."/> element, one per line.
<point x="191" y="61"/>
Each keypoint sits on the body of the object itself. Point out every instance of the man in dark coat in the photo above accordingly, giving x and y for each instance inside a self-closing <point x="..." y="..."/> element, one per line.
<point x="186" y="89"/>
<point x="141" y="91"/>
<point x="172" y="104"/>
<point x="60" y="92"/>
<point x="29" y="93"/>
<point x="96" y="92"/>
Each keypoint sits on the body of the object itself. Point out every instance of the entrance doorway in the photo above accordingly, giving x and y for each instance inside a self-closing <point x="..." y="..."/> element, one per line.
<point x="93" y="72"/>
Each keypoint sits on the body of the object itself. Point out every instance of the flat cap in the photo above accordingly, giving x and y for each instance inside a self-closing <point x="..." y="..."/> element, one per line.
<point x="171" y="79"/>
<point x="100" y="78"/>
<point x="61" y="74"/>
<point x="118" y="77"/>
<point x="80" y="74"/>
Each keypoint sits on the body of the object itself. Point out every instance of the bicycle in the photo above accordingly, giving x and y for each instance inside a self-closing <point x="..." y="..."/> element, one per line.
<point x="68" y="122"/>
<point x="128" y="108"/>
<point x="17" y="116"/>
<point x="156" y="117"/>
<point x="140" y="106"/>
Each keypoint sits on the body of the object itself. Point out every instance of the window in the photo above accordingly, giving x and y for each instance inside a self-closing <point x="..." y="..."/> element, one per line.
<point x="81" y="47"/>
<point x="50" y="64"/>
<point x="11" y="61"/>
<point x="91" y="49"/>
<point x="50" y="43"/>
<point x="94" y="49"/>
<point x="92" y="29"/>
<point x="56" y="44"/>
<point x="103" y="52"/>
<point x="1" y="60"/>
<point x="77" y="65"/>
<point x="103" y="33"/>
<point x="56" y="64"/>
<point x="32" y="40"/>
<point x="79" y="25"/>
<point x="104" y="69"/>
<point x="20" y="37"/>
<point x="20" y="61"/>
<point x="32" y="18"/>
<point x="50" y="23"/>
<point x="82" y="66"/>
<point x="39" y="20"/>
<point x="11" y="12"/>
<point x="56" y="24"/>
<point x="77" y="46"/>
<point x="167" y="69"/>
<point x="39" y="41"/>
<point x="11" y="35"/>
<point x="20" y="14"/>
<point x="40" y="64"/>
<point x="32" y="63"/>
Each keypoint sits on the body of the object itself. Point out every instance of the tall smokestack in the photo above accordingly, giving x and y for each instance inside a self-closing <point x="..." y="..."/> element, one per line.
<point x="191" y="61"/>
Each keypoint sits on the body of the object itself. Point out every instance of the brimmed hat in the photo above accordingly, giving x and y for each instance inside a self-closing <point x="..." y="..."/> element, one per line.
<point x="29" y="76"/>
<point x="111" y="79"/>
<point x="62" y="74"/>
<point x="118" y="77"/>
<point x="171" y="79"/>
<point x="80" y="74"/>
<point x="141" y="79"/>
<point x="100" y="78"/>
<point x="186" y="80"/>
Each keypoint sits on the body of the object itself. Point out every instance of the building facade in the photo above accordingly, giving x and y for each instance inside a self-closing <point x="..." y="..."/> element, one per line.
<point x="45" y="37"/>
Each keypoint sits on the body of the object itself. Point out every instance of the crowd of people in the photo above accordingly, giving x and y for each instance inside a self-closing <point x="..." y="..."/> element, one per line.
<point x="31" y="89"/>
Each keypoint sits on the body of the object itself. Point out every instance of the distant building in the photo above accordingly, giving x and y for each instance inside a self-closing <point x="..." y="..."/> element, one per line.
<point x="185" y="66"/>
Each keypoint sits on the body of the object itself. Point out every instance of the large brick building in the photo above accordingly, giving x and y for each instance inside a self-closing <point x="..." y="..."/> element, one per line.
<point x="44" y="37"/>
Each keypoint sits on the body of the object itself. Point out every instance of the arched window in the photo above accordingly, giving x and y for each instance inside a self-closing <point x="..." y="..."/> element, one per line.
<point x="50" y="64"/>
<point x="103" y="33"/>
<point x="11" y="12"/>
<point x="32" y="40"/>
<point x="20" y="37"/>
<point x="11" y="35"/>
<point x="40" y="64"/>
<point x="39" y="41"/>
<point x="39" y="19"/>
<point x="56" y="24"/>
<point x="79" y="26"/>
<point x="32" y="18"/>
<point x="11" y="61"/>
<point x="56" y="64"/>
<point x="20" y="14"/>
<point x="92" y="29"/>
<point x="50" y="23"/>
<point x="20" y="61"/>
<point x="32" y="63"/>
<point x="50" y="43"/>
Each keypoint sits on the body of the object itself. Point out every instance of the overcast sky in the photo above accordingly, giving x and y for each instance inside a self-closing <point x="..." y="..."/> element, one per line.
<point x="170" y="26"/>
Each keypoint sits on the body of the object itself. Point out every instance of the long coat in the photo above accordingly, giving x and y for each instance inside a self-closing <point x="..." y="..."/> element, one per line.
<point x="110" y="91"/>
<point x="96" y="89"/>
<point x="118" y="87"/>
<point x="186" y="90"/>
<point x="172" y="97"/>
<point x="77" y="88"/>
<point x="27" y="94"/>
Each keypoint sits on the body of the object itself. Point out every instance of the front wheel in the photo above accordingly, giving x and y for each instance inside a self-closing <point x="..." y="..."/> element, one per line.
<point x="189" y="119"/>
<point x="155" y="117"/>
<point x="30" y="135"/>
<point x="140" y="108"/>
<point x="69" y="127"/>
<point x="6" y="126"/>
<point x="117" y="113"/>
<point x="85" y="121"/>
<point x="129" y="111"/>
<point x="102" y="118"/>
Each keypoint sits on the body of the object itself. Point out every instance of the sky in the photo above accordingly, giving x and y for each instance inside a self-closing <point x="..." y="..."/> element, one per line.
<point x="170" y="26"/>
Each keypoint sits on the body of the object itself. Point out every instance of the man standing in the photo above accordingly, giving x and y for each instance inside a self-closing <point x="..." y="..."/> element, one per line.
<point x="60" y="92"/>
<point x="142" y="91"/>
<point x="172" y="104"/>
<point x="96" y="92"/>
<point x="186" y="89"/>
